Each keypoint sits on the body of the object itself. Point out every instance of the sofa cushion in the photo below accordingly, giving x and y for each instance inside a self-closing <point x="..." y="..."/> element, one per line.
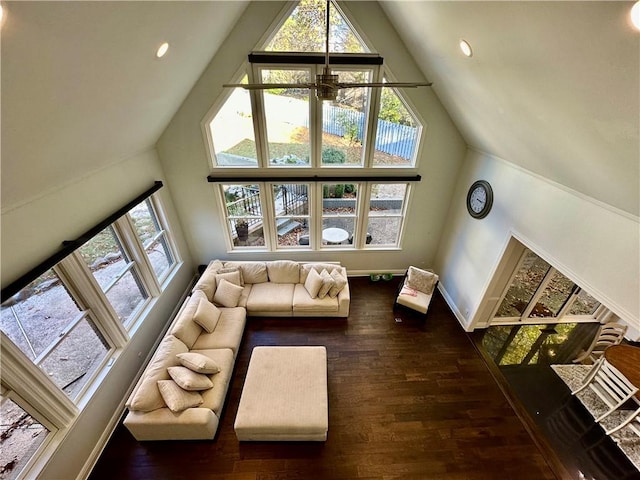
<point x="207" y="281"/>
<point x="302" y="302"/>
<point x="231" y="270"/>
<point x="188" y="379"/>
<point x="228" y="332"/>
<point x="198" y="363"/>
<point x="227" y="294"/>
<point x="270" y="297"/>
<point x="176" y="398"/>
<point x="146" y="396"/>
<point x="313" y="283"/>
<point x="184" y="327"/>
<point x="318" y="267"/>
<point x="339" y="283"/>
<point x="283" y="271"/>
<point x="244" y="297"/>
<point x="213" y="398"/>
<point x="207" y="315"/>
<point x="327" y="283"/>
<point x="421" y="280"/>
<point x="252" y="272"/>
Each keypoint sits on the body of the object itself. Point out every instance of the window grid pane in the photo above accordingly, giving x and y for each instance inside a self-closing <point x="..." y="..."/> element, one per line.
<point x="112" y="269"/>
<point x="339" y="207"/>
<point x="232" y="133"/>
<point x="286" y="112"/>
<point x="244" y="215"/>
<point x="152" y="237"/>
<point x="291" y="206"/>
<point x="386" y="208"/>
<point x="524" y="285"/>
<point x="20" y="437"/>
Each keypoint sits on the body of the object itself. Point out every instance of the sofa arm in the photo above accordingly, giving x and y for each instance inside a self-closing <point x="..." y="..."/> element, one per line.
<point x="344" y="299"/>
<point x="163" y="424"/>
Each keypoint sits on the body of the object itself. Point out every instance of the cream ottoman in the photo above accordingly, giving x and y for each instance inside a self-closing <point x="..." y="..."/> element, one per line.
<point x="284" y="397"/>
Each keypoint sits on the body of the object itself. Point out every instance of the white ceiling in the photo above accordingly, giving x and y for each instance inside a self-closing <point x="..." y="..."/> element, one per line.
<point x="552" y="86"/>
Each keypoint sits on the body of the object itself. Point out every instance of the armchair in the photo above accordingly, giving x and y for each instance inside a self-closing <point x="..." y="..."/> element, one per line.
<point x="416" y="290"/>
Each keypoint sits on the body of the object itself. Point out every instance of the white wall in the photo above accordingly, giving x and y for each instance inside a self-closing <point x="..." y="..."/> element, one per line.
<point x="184" y="159"/>
<point x="33" y="229"/>
<point x="595" y="245"/>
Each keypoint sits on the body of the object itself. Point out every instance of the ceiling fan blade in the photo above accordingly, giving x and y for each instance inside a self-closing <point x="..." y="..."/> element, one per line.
<point x="387" y="84"/>
<point x="269" y="86"/>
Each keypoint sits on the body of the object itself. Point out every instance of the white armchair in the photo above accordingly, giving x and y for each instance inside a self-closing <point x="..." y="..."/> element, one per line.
<point x="416" y="290"/>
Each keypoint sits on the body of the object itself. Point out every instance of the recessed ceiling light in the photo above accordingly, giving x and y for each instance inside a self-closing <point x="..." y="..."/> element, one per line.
<point x="635" y="14"/>
<point x="162" y="50"/>
<point x="465" y="47"/>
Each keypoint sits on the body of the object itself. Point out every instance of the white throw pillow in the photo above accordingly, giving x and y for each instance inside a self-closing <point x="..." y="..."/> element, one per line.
<point x="207" y="315"/>
<point x="231" y="270"/>
<point x="327" y="283"/>
<point x="313" y="283"/>
<point x="227" y="294"/>
<point x="198" y="362"/>
<point x="176" y="398"/>
<point x="339" y="283"/>
<point x="188" y="379"/>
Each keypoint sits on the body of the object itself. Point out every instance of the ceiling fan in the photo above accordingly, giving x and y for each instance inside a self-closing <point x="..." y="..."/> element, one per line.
<point x="326" y="84"/>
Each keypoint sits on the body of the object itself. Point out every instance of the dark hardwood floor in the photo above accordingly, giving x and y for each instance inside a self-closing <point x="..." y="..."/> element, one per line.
<point x="407" y="400"/>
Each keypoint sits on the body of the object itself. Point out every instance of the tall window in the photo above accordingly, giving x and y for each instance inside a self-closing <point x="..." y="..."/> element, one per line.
<point x="257" y="132"/>
<point x="46" y="323"/>
<point x="288" y="127"/>
<point x="61" y="331"/>
<point x="539" y="291"/>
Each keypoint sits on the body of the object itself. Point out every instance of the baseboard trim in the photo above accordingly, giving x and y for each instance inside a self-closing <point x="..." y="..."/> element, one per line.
<point x="454" y="308"/>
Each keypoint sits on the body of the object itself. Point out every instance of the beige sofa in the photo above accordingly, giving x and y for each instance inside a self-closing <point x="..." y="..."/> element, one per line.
<point x="181" y="392"/>
<point x="149" y="417"/>
<point x="280" y="288"/>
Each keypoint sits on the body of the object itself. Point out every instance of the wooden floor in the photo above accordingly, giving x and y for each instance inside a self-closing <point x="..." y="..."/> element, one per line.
<point x="407" y="400"/>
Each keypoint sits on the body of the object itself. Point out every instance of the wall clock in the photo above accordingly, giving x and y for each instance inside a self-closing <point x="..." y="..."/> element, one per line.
<point x="479" y="199"/>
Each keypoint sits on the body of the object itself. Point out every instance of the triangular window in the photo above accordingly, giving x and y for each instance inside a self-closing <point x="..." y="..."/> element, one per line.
<point x="304" y="31"/>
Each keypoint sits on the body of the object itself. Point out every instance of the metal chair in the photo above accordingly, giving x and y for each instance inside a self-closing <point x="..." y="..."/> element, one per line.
<point x="609" y="334"/>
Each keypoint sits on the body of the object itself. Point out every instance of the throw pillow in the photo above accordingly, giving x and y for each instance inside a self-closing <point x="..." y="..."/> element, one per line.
<point x="227" y="294"/>
<point x="339" y="283"/>
<point x="231" y="270"/>
<point x="198" y="362"/>
<point x="313" y="283"/>
<point x="232" y="276"/>
<point x="327" y="283"/>
<point x="420" y="280"/>
<point x="207" y="315"/>
<point x="176" y="398"/>
<point x="188" y="379"/>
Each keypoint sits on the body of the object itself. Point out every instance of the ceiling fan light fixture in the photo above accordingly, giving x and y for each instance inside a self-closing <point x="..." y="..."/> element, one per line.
<point x="465" y="47"/>
<point x="326" y="82"/>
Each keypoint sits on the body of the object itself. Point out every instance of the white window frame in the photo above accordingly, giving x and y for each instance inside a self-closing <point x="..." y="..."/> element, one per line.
<point x="315" y="217"/>
<point x="563" y="315"/>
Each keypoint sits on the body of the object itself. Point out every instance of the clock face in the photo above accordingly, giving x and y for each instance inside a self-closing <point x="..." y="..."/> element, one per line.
<point x="479" y="199"/>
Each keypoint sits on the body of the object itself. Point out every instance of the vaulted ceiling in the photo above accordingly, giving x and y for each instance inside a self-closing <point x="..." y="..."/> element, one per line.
<point x="552" y="86"/>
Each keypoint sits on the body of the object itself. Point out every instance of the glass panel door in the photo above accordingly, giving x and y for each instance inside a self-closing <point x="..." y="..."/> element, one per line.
<point x="291" y="207"/>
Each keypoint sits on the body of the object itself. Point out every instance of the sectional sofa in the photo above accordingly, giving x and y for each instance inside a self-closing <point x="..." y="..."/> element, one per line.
<point x="181" y="393"/>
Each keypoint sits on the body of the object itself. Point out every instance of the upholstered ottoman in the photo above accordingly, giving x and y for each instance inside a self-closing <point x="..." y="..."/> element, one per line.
<point x="284" y="397"/>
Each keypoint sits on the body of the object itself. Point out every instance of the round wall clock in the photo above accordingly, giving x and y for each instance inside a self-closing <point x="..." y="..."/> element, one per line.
<point x="479" y="199"/>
